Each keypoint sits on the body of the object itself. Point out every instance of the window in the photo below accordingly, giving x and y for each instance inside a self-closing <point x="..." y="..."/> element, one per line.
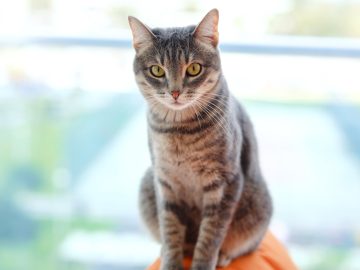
<point x="73" y="143"/>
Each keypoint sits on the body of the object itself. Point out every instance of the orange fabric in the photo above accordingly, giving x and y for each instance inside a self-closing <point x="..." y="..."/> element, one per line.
<point x="271" y="255"/>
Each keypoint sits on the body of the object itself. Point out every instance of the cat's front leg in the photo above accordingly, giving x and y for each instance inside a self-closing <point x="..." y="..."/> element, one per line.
<point x="172" y="228"/>
<point x="219" y="202"/>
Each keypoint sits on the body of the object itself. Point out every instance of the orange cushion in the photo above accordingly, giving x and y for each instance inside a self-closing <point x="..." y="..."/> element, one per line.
<point x="271" y="255"/>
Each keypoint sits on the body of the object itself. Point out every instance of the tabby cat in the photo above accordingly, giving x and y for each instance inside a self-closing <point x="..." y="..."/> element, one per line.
<point x="204" y="195"/>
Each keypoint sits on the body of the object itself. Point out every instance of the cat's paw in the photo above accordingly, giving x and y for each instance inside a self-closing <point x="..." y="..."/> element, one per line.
<point x="223" y="260"/>
<point x="171" y="266"/>
<point x="202" y="266"/>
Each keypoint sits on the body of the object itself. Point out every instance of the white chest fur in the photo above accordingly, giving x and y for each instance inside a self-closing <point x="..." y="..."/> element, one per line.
<point x="172" y="162"/>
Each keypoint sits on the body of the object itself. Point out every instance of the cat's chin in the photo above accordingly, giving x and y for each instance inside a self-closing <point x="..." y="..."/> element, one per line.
<point x="177" y="106"/>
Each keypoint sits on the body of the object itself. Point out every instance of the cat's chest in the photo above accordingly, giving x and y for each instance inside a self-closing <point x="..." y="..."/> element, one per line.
<point x="173" y="161"/>
<point x="186" y="185"/>
<point x="173" y="151"/>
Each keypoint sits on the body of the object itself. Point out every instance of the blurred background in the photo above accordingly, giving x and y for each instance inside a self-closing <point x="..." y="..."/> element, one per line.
<point x="73" y="143"/>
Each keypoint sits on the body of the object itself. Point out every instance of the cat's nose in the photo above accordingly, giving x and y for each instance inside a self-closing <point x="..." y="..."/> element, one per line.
<point x="175" y="94"/>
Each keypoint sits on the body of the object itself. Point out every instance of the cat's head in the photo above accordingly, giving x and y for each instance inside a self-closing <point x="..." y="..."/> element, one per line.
<point x="176" y="68"/>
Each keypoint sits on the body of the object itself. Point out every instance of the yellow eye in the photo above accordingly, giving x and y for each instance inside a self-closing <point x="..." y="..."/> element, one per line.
<point x="194" y="69"/>
<point x="157" y="71"/>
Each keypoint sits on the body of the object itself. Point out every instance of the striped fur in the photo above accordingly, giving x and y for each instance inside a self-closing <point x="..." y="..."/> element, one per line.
<point x="204" y="195"/>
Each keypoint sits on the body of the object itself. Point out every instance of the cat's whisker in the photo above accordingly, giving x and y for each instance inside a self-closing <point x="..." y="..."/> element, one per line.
<point x="207" y="112"/>
<point x="213" y="117"/>
<point x="196" y="113"/>
<point x="203" y="108"/>
<point x="208" y="98"/>
<point x="222" y="120"/>
<point x="220" y="117"/>
<point x="166" y="114"/>
<point x="220" y="99"/>
<point x="152" y="103"/>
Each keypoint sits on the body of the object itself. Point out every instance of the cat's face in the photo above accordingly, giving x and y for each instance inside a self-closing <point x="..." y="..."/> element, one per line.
<point x="176" y="68"/>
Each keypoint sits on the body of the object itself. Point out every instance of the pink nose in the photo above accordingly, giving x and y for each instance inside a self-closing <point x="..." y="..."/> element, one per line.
<point x="175" y="94"/>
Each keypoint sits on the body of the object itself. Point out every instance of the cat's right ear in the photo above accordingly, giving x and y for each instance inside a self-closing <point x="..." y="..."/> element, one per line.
<point x="207" y="30"/>
<point x="142" y="34"/>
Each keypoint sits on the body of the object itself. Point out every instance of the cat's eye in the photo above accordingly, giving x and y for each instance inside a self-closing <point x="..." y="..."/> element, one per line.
<point x="194" y="69"/>
<point x="157" y="71"/>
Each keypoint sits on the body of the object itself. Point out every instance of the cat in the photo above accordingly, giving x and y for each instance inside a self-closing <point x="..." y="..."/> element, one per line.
<point x="204" y="195"/>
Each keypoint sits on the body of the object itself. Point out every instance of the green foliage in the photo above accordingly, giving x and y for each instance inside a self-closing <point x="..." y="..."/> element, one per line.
<point x="191" y="6"/>
<point x="42" y="252"/>
<point x="40" y="4"/>
<point x="119" y="14"/>
<point x="331" y="259"/>
<point x="33" y="140"/>
<point x="318" y="19"/>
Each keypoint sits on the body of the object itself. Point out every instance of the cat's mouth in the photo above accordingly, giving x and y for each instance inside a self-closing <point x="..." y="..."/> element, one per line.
<point x="173" y="104"/>
<point x="177" y="105"/>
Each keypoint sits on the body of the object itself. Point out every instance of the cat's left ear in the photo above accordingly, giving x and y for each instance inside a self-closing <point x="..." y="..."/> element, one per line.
<point x="142" y="35"/>
<point x="207" y="30"/>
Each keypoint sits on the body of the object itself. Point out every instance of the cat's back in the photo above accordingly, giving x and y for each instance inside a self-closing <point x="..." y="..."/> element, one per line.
<point x="250" y="163"/>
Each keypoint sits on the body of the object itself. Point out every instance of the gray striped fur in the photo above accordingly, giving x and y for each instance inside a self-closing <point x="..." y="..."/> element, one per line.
<point x="204" y="195"/>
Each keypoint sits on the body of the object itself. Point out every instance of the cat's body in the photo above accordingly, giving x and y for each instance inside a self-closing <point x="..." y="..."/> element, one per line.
<point x="204" y="195"/>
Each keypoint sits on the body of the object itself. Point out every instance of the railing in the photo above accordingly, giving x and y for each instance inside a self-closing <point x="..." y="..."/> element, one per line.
<point x="280" y="45"/>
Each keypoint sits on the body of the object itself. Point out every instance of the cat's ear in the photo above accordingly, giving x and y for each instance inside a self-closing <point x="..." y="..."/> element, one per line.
<point x="207" y="30"/>
<point x="142" y="34"/>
